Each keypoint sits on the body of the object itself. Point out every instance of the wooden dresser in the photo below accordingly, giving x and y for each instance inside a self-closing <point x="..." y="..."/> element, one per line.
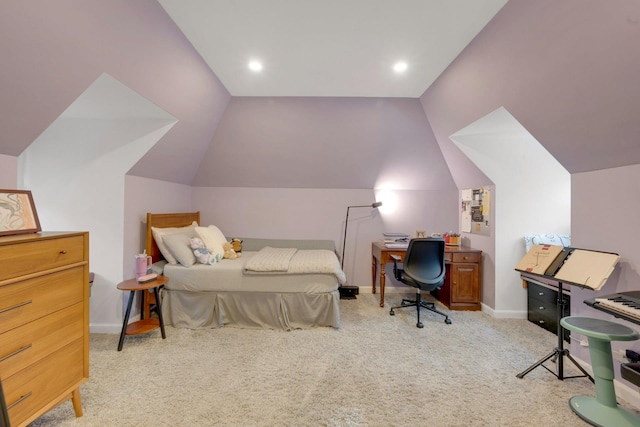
<point x="44" y="321"/>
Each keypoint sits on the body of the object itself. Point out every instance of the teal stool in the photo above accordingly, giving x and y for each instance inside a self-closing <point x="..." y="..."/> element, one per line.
<point x="602" y="410"/>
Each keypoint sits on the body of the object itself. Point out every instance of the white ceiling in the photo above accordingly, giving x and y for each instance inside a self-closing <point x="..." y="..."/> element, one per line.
<point x="330" y="47"/>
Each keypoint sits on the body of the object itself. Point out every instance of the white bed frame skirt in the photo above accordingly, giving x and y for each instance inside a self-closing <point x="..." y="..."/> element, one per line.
<point x="256" y="310"/>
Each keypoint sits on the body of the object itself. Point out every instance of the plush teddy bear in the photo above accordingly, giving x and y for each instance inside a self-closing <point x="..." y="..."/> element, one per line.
<point x="229" y="253"/>
<point x="202" y="254"/>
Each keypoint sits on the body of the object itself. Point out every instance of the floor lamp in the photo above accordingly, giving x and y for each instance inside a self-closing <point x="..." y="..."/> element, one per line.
<point x="346" y="291"/>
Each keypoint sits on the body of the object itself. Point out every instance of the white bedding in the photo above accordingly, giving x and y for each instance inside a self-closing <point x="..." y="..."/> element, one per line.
<point x="294" y="261"/>
<point x="208" y="296"/>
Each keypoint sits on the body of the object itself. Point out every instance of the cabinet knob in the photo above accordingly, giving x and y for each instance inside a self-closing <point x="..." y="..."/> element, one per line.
<point x="541" y="322"/>
<point x="540" y="293"/>
<point x="540" y="308"/>
<point x="63" y="252"/>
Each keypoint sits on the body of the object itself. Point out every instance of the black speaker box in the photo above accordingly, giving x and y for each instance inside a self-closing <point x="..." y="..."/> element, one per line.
<point x="348" y="292"/>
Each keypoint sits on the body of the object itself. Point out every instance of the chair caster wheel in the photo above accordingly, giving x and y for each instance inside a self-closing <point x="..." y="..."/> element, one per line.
<point x="419" y="325"/>
<point x="447" y="321"/>
<point x="392" y="313"/>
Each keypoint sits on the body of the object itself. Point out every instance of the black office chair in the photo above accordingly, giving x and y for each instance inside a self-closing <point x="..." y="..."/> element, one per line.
<point x="424" y="269"/>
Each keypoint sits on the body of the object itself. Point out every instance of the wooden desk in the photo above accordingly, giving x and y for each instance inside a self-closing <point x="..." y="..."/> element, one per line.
<point x="461" y="289"/>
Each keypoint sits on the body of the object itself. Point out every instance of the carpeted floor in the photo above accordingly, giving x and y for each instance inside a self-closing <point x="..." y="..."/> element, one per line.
<point x="376" y="370"/>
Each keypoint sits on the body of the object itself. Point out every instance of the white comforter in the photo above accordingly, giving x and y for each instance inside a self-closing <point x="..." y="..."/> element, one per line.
<point x="294" y="261"/>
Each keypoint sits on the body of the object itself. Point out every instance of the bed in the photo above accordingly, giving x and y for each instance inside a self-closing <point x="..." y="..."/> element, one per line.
<point x="245" y="292"/>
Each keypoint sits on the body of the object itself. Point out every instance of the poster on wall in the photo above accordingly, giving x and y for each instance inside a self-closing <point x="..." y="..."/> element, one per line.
<point x="475" y="211"/>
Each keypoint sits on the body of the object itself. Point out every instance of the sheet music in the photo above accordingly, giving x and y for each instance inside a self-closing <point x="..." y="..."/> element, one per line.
<point x="539" y="258"/>
<point x="588" y="268"/>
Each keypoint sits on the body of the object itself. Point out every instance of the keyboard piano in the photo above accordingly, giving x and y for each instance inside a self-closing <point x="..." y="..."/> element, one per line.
<point x="625" y="305"/>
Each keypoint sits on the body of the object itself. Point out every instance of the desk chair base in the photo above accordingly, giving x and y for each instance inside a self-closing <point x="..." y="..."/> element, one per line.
<point x="595" y="413"/>
<point x="418" y="303"/>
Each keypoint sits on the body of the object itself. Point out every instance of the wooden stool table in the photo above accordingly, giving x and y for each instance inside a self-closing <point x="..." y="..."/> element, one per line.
<point x="145" y="325"/>
<point x="602" y="410"/>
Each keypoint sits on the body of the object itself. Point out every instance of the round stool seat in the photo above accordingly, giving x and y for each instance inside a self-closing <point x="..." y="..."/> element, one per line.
<point x="602" y="410"/>
<point x="599" y="328"/>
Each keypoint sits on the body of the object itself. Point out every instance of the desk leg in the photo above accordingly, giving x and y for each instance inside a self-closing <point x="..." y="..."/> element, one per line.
<point x="382" y="278"/>
<point x="374" y="270"/>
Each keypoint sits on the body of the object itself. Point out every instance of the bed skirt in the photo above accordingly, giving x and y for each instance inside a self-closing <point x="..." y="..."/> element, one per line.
<point x="255" y="310"/>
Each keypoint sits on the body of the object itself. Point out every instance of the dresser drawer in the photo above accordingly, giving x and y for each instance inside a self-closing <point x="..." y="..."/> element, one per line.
<point x="25" y="301"/>
<point x="32" y="257"/>
<point x="465" y="257"/>
<point x="31" y="389"/>
<point x="22" y="346"/>
<point x="542" y="293"/>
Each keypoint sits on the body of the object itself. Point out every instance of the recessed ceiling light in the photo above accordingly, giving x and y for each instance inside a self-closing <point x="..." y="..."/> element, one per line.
<point x="255" y="66"/>
<point x="400" y="67"/>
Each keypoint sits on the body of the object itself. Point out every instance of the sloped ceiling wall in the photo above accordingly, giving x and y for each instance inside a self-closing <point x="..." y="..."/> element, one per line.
<point x="53" y="51"/>
<point x="324" y="143"/>
<point x="566" y="70"/>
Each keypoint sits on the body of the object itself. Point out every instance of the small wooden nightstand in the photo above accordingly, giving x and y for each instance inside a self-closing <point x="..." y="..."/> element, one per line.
<point x="145" y="325"/>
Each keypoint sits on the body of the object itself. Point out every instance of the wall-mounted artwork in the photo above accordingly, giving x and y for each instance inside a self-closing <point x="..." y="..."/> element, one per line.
<point x="475" y="211"/>
<point x="18" y="213"/>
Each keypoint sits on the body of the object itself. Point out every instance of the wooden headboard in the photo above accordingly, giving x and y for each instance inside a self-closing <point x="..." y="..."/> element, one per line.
<point x="163" y="221"/>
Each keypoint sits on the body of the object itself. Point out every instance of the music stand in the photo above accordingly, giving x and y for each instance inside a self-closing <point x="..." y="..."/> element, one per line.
<point x="559" y="352"/>
<point x="586" y="269"/>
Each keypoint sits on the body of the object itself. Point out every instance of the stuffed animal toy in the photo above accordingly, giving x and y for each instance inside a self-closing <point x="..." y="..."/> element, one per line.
<point x="203" y="255"/>
<point x="229" y="253"/>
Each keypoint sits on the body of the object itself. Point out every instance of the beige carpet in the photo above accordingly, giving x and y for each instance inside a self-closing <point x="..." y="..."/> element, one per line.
<point x="377" y="370"/>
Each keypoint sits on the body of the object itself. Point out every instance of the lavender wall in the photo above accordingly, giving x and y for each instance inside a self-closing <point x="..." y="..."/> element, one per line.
<point x="567" y="71"/>
<point x="605" y="205"/>
<point x="8" y="171"/>
<point x="324" y="143"/>
<point x="300" y="213"/>
<point x="55" y="50"/>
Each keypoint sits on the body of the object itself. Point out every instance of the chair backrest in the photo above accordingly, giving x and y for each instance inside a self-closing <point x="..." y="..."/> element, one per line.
<point x="424" y="262"/>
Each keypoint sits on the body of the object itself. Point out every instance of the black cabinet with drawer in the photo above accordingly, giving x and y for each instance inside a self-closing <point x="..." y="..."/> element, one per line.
<point x="542" y="306"/>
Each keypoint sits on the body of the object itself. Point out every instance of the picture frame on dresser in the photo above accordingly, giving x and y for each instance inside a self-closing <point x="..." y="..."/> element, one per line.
<point x="18" y="213"/>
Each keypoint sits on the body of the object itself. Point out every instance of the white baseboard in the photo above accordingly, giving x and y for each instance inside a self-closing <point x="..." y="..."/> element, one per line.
<point x="108" y="328"/>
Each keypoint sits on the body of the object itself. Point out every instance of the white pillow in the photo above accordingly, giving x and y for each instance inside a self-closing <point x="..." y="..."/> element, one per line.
<point x="178" y="245"/>
<point x="189" y="230"/>
<point x="213" y="239"/>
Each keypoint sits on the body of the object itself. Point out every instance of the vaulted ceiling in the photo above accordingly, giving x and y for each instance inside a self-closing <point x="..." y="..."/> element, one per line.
<point x="332" y="48"/>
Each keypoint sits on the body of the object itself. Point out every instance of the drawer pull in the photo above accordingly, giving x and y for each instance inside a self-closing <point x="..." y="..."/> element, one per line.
<point x="63" y="252"/>
<point x="465" y="269"/>
<point x="541" y="322"/>
<point x="19" y="400"/>
<point x="541" y="293"/>
<point x="22" y="304"/>
<point x="540" y="308"/>
<point x="20" y="350"/>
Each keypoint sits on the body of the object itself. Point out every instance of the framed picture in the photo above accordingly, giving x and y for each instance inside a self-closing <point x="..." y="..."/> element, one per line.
<point x="421" y="234"/>
<point x="18" y="213"/>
